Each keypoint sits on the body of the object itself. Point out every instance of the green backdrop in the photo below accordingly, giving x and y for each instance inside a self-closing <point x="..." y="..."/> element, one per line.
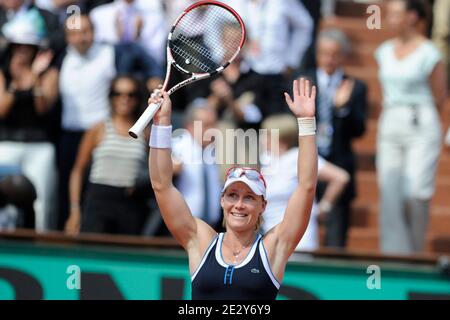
<point x="39" y="271"/>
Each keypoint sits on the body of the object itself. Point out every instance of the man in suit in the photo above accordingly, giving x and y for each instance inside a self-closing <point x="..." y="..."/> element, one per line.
<point x="341" y="116"/>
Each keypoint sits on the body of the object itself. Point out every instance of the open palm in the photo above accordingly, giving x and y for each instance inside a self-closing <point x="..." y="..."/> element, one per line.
<point x="304" y="102"/>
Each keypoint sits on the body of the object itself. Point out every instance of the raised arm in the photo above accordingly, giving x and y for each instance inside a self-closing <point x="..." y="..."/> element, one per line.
<point x="193" y="234"/>
<point x="89" y="142"/>
<point x="45" y="88"/>
<point x="289" y="232"/>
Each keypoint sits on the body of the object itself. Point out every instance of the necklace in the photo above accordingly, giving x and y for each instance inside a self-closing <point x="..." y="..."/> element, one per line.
<point x="238" y="252"/>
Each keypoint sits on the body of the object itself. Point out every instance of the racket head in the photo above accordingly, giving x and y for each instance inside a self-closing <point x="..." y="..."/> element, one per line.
<point x="205" y="38"/>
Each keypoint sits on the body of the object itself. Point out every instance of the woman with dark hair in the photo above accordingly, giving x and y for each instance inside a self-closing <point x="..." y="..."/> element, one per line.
<point x="413" y="78"/>
<point x="111" y="204"/>
<point x="28" y="90"/>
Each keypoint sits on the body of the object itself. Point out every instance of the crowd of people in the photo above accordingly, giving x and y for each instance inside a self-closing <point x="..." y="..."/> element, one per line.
<point x="76" y="74"/>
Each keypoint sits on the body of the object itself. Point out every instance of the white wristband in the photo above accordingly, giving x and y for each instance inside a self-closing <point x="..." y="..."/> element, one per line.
<point x="306" y="126"/>
<point x="161" y="137"/>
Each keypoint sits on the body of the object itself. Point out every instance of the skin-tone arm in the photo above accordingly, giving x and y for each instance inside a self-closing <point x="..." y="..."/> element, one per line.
<point x="48" y="87"/>
<point x="438" y="82"/>
<point x="283" y="239"/>
<point x="192" y="233"/>
<point x="336" y="179"/>
<point x="90" y="140"/>
<point x="6" y="98"/>
<point x="45" y="82"/>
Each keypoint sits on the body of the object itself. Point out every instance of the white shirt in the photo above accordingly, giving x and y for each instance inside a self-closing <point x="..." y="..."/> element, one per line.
<point x="283" y="30"/>
<point x="84" y="84"/>
<point x="406" y="81"/>
<point x="154" y="31"/>
<point x="190" y="180"/>
<point x="281" y="179"/>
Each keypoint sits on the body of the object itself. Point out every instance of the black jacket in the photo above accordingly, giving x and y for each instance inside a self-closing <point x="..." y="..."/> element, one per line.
<point x="346" y="128"/>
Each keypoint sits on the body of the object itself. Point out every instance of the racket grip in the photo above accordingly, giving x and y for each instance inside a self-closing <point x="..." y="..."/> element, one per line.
<point x="136" y="130"/>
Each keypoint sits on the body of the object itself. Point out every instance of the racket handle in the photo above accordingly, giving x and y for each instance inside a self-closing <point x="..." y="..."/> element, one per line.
<point x="143" y="120"/>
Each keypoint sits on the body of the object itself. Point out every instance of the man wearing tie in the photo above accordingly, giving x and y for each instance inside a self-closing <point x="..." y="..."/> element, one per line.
<point x="341" y="115"/>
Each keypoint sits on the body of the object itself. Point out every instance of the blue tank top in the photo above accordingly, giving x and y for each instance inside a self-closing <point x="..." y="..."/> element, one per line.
<point x="252" y="279"/>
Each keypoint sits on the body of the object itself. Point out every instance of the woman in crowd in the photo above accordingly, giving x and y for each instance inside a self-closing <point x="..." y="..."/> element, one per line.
<point x="28" y="90"/>
<point x="111" y="203"/>
<point x="413" y="78"/>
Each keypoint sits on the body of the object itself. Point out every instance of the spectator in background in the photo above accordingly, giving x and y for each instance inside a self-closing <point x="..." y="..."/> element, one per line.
<point x="441" y="38"/>
<point x="412" y="75"/>
<point x="278" y="34"/>
<point x="341" y="117"/>
<point x="232" y="94"/>
<point x="134" y="25"/>
<point x="280" y="173"/>
<point x="17" y="196"/>
<point x="111" y="204"/>
<point x="46" y="21"/>
<point x="28" y="90"/>
<point x="86" y="73"/>
<point x="197" y="174"/>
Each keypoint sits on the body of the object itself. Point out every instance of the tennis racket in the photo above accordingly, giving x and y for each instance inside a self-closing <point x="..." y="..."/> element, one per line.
<point x="197" y="47"/>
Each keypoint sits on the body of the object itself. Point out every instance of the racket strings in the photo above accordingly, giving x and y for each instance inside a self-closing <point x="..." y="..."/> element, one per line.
<point x="198" y="44"/>
<point x="193" y="53"/>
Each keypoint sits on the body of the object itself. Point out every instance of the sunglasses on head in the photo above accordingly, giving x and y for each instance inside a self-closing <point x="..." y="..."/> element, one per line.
<point x="132" y="94"/>
<point x="250" y="173"/>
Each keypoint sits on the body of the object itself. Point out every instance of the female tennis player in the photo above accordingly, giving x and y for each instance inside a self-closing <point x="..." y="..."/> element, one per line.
<point x="240" y="263"/>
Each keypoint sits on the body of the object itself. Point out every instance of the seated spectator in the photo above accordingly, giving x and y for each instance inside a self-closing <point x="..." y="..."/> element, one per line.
<point x="28" y="90"/>
<point x="280" y="171"/>
<point x="195" y="168"/>
<point x="111" y="203"/>
<point x="17" y="195"/>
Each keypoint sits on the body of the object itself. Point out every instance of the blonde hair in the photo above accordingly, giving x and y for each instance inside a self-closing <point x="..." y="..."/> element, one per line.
<point x="287" y="127"/>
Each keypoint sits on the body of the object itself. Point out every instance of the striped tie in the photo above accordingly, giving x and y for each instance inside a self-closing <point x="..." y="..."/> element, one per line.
<point x="325" y="126"/>
<point x="205" y="214"/>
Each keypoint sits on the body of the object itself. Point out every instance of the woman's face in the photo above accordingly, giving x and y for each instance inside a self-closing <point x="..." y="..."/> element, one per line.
<point x="398" y="18"/>
<point x="241" y="207"/>
<point x="124" y="97"/>
<point x="23" y="54"/>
